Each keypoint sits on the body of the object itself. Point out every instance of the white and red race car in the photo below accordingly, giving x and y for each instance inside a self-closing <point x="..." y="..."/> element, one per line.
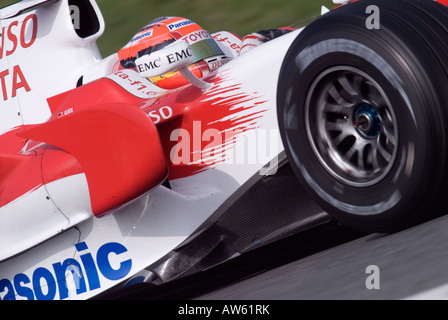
<point x="107" y="179"/>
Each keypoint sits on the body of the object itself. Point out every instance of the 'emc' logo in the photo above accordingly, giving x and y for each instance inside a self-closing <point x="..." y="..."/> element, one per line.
<point x="177" y="56"/>
<point x="149" y="65"/>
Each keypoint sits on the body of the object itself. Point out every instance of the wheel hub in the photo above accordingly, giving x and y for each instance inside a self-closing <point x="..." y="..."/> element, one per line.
<point x="367" y="121"/>
<point x="351" y="126"/>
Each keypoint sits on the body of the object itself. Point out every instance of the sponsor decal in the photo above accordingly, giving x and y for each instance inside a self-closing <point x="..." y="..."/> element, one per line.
<point x="13" y="37"/>
<point x="18" y="82"/>
<point x="86" y="271"/>
<point x="162" y="63"/>
<point x="161" y="114"/>
<point x="180" y="24"/>
<point x="232" y="42"/>
<point x="196" y="36"/>
<point x="179" y="55"/>
<point x="65" y="113"/>
<point x="149" y="65"/>
<point x="142" y="36"/>
<point x="134" y="84"/>
<point x="216" y="63"/>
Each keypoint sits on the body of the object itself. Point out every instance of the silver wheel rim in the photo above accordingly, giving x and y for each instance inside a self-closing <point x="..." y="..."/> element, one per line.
<point x="351" y="126"/>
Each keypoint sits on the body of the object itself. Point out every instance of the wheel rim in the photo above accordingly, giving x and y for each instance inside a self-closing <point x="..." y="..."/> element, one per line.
<point x="351" y="126"/>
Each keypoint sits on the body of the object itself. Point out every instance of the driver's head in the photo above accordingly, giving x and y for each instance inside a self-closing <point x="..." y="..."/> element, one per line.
<point x="163" y="31"/>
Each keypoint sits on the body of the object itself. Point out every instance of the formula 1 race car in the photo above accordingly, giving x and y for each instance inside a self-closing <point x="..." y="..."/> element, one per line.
<point x="108" y="179"/>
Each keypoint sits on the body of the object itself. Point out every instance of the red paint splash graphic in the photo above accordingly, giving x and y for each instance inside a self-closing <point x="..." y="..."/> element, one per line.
<point x="211" y="126"/>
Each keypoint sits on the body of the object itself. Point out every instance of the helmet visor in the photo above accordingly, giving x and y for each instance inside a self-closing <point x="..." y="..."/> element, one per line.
<point x="205" y="49"/>
<point x="203" y="45"/>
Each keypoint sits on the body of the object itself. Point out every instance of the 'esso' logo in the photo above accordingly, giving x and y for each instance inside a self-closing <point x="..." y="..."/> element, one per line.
<point x="163" y="113"/>
<point x="15" y="35"/>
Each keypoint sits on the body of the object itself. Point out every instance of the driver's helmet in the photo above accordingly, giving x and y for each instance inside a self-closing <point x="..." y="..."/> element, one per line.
<point x="165" y="30"/>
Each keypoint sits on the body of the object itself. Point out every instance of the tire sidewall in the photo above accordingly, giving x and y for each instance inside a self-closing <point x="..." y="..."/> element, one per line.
<point x="406" y="185"/>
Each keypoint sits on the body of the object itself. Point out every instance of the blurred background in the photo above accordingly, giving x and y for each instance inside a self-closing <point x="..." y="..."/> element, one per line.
<point x="125" y="18"/>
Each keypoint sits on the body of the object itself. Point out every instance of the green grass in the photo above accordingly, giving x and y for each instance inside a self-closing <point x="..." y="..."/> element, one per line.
<point x="125" y="18"/>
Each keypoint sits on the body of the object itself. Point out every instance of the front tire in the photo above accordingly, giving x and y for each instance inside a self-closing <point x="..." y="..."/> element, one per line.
<point x="362" y="113"/>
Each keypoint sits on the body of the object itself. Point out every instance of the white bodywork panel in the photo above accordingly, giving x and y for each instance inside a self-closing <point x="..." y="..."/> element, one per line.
<point x="20" y="230"/>
<point x="42" y="56"/>
<point x="104" y="251"/>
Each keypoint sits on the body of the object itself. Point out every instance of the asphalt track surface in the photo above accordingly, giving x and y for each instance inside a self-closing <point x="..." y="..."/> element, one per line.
<point x="413" y="264"/>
